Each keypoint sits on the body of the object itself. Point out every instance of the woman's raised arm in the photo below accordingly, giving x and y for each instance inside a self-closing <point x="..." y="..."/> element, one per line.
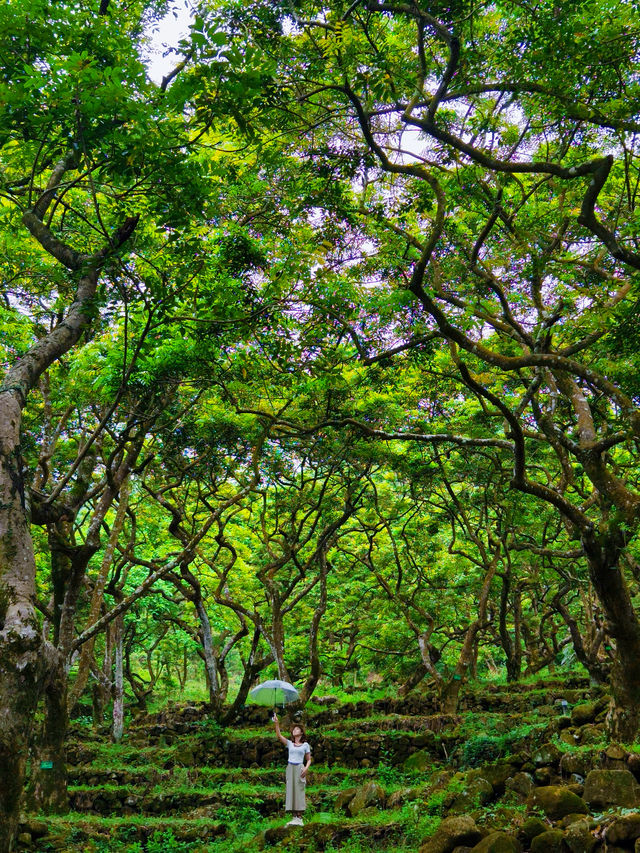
<point x="282" y="739"/>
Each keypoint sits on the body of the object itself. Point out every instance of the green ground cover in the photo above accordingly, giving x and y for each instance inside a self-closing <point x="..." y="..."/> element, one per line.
<point x="208" y="808"/>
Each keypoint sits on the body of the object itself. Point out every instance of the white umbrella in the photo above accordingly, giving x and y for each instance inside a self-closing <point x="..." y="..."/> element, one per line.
<point x="274" y="692"/>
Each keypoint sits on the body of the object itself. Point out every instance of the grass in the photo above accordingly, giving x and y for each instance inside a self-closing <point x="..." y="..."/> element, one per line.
<point x="98" y="835"/>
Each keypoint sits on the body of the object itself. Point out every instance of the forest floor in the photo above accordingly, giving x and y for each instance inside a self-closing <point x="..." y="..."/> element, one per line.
<point x="523" y="768"/>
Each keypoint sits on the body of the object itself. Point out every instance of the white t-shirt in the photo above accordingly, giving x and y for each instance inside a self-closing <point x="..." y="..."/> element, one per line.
<point x="297" y="752"/>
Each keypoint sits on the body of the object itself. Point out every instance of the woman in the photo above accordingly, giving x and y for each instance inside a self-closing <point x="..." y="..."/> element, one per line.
<point x="299" y="751"/>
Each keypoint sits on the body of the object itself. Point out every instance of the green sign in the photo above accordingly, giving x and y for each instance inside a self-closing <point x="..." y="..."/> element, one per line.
<point x="46" y="765"/>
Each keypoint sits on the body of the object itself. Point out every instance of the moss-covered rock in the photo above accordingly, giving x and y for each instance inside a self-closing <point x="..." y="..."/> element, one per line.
<point x="633" y="763"/>
<point x="521" y="783"/>
<point x="591" y="733"/>
<point x="624" y="830"/>
<point x="34" y="826"/>
<point x="584" y="713"/>
<point x="426" y="739"/>
<point x="184" y="756"/>
<point x="401" y="796"/>
<point x="556" y="801"/>
<point x="579" y="763"/>
<point x="568" y="736"/>
<point x="589" y="712"/>
<point x="615" y="752"/>
<point x="603" y="788"/>
<point x="546" y="776"/>
<point x="578" y="837"/>
<point x="497" y="774"/>
<point x="531" y="827"/>
<point x="421" y="760"/>
<point x="367" y="796"/>
<point x="548" y="755"/>
<point x="569" y="819"/>
<point x="478" y="792"/>
<point x="344" y="798"/>
<point x="548" y="842"/>
<point x="498" y="842"/>
<point x="452" y="832"/>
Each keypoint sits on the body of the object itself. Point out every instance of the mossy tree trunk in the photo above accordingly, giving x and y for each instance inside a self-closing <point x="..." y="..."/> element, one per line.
<point x="48" y="792"/>
<point x="24" y="654"/>
<point x="252" y="667"/>
<point x="511" y="602"/>
<point x="97" y="596"/>
<point x="101" y="688"/>
<point x="48" y="783"/>
<point x="450" y="693"/>
<point x="603" y="554"/>
<point x="118" y="681"/>
<point x="21" y="659"/>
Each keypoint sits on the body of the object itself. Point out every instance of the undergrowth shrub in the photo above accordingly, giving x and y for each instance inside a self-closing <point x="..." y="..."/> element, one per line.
<point x="210" y="728"/>
<point x="390" y="775"/>
<point x="481" y="750"/>
<point x="166" y="842"/>
<point x="421" y="828"/>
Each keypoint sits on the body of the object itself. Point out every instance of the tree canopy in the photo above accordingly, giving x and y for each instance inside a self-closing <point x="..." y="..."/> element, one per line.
<point x="319" y="355"/>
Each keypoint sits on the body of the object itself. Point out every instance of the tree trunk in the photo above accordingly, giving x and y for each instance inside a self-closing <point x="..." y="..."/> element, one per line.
<point x="141" y="689"/>
<point x="182" y="669"/>
<point x="21" y="652"/>
<point x="252" y="669"/>
<point x="450" y="695"/>
<point x="414" y="679"/>
<point x="623" y="717"/>
<point x="97" y="597"/>
<point x="450" y="692"/>
<point x="514" y="668"/>
<point x="118" y="682"/>
<point x="314" y="656"/>
<point x="210" y="662"/>
<point x="101" y="690"/>
<point x="511" y="647"/>
<point x="275" y="641"/>
<point x="596" y="668"/>
<point x="49" y="770"/>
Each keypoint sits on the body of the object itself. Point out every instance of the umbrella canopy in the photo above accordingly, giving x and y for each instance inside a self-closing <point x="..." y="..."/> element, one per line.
<point x="274" y="692"/>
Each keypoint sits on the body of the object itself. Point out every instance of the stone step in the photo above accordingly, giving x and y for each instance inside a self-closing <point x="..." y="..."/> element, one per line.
<point x="322" y="710"/>
<point x="191" y="739"/>
<point x="359" y="750"/>
<point x="205" y="776"/>
<point x="169" y="732"/>
<point x="72" y="832"/>
<point x="261" y="750"/>
<point x="318" y="834"/>
<point x="125" y="800"/>
<point x="379" y="723"/>
<point x="78" y="833"/>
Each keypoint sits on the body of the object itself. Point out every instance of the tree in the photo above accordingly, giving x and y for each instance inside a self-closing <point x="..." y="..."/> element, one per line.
<point x="496" y="166"/>
<point x="100" y="182"/>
